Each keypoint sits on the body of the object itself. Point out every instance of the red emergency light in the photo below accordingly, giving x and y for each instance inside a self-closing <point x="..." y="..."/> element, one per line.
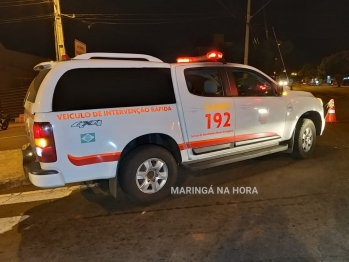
<point x="210" y="56"/>
<point x="214" y="55"/>
<point x="65" y="57"/>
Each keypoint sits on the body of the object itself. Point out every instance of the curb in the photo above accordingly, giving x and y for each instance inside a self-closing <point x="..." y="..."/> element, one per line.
<point x="15" y="125"/>
<point x="11" y="169"/>
<point x="8" y="184"/>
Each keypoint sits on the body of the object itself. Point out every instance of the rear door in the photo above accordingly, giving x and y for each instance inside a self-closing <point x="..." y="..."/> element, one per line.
<point x="99" y="110"/>
<point x="207" y="108"/>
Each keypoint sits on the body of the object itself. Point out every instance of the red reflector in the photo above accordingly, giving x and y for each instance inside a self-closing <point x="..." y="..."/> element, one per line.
<point x="44" y="142"/>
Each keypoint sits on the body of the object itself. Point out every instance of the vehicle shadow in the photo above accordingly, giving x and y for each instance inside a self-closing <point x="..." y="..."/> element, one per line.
<point x="267" y="235"/>
<point x="91" y="225"/>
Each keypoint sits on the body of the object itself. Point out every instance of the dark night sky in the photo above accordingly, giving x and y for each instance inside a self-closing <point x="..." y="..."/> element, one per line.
<point x="168" y="29"/>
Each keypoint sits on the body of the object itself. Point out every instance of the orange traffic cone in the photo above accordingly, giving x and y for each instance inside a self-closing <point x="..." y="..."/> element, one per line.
<point x="331" y="113"/>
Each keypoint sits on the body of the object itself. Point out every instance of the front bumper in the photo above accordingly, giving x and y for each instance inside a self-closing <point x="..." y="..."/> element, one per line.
<point x="39" y="177"/>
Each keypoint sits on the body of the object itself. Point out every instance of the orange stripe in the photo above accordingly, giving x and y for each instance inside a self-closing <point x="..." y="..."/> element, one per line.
<point x="94" y="159"/>
<point x="109" y="157"/>
<point x="225" y="140"/>
<point x="181" y="146"/>
<point x="210" y="142"/>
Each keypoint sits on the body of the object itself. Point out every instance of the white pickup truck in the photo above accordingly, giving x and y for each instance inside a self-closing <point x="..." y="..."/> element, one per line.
<point x="134" y="119"/>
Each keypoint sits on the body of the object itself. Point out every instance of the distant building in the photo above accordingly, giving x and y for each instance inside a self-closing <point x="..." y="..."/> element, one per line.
<point x="16" y="74"/>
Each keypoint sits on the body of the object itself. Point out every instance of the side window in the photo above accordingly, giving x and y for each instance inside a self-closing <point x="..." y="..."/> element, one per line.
<point x="205" y="81"/>
<point x="35" y="85"/>
<point x="95" y="88"/>
<point x="249" y="83"/>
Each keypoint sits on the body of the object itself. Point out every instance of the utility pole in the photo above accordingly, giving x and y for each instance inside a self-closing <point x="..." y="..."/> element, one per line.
<point x="248" y="19"/>
<point x="247" y="36"/>
<point x="59" y="39"/>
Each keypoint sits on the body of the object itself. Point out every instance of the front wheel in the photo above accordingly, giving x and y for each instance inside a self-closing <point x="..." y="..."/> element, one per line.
<point x="305" y="138"/>
<point x="147" y="173"/>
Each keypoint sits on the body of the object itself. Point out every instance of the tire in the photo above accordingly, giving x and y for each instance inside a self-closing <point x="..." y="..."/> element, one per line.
<point x="4" y="125"/>
<point x="305" y="139"/>
<point x="147" y="187"/>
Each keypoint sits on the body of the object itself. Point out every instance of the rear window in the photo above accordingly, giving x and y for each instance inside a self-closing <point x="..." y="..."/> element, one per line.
<point x="94" y="88"/>
<point x="35" y="85"/>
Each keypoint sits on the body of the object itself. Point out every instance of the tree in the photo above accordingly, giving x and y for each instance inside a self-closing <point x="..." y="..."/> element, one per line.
<point x="336" y="65"/>
<point x="309" y="70"/>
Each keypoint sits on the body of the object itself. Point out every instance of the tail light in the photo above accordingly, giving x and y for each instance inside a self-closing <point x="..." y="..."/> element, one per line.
<point x="262" y="87"/>
<point x="44" y="142"/>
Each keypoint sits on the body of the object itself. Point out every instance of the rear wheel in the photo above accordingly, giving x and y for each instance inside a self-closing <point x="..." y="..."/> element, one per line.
<point x="147" y="173"/>
<point x="305" y="138"/>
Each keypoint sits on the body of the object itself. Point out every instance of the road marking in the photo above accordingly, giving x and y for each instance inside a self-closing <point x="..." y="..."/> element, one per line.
<point x="11" y="136"/>
<point x="40" y="195"/>
<point x="7" y="223"/>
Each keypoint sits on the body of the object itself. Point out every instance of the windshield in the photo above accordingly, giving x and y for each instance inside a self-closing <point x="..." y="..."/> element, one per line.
<point x="35" y="85"/>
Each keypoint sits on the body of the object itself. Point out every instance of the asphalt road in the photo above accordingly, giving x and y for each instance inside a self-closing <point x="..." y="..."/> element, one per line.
<point x="299" y="214"/>
<point x="13" y="138"/>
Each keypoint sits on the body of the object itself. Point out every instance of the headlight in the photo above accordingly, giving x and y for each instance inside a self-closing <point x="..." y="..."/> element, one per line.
<point x="320" y="100"/>
<point x="281" y="83"/>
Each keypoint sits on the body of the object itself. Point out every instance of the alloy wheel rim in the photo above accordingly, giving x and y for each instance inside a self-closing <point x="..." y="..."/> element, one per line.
<point x="307" y="139"/>
<point x="151" y="175"/>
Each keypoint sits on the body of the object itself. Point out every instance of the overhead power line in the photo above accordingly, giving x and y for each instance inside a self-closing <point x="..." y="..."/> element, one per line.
<point x="150" y="14"/>
<point x="137" y="21"/>
<point x="18" y="1"/>
<point x="16" y="5"/>
<point x="224" y="6"/>
<point x="25" y="18"/>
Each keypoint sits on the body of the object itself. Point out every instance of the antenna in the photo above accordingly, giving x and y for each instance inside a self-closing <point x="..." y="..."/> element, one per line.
<point x="282" y="60"/>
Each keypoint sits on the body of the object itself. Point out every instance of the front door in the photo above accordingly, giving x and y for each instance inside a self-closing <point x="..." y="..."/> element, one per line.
<point x="260" y="112"/>
<point x="207" y="110"/>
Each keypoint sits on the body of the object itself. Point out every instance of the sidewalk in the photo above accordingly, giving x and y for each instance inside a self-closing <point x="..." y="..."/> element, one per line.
<point x="15" y="125"/>
<point x="11" y="170"/>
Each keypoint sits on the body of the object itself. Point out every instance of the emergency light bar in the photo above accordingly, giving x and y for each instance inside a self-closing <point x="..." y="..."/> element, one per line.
<point x="210" y="56"/>
<point x="65" y="57"/>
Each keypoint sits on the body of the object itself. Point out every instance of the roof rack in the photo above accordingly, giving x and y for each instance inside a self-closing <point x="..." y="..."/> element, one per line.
<point x="116" y="56"/>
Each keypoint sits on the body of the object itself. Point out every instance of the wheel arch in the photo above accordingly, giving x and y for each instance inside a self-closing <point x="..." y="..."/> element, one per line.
<point x="159" y="139"/>
<point x="316" y="118"/>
